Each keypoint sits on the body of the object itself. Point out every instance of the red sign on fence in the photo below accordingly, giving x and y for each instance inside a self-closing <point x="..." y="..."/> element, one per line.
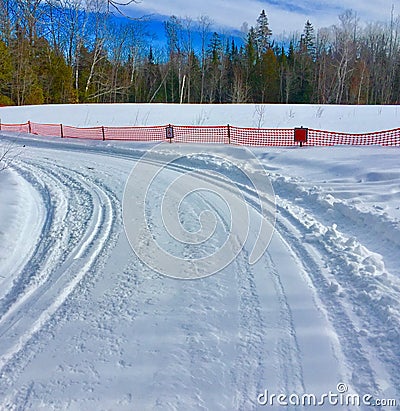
<point x="300" y="135"/>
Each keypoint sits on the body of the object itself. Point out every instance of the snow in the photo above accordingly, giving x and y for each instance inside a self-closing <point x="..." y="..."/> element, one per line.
<point x="86" y="323"/>
<point x="322" y="117"/>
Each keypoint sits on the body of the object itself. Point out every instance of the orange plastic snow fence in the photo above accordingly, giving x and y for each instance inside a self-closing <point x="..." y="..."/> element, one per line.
<point x="256" y="137"/>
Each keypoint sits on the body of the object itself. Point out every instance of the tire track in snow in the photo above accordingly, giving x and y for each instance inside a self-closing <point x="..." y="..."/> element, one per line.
<point x="33" y="273"/>
<point x="288" y="351"/>
<point x="59" y="235"/>
<point x="70" y="271"/>
<point x="356" y="356"/>
<point x="207" y="344"/>
<point x="372" y="294"/>
<point x="251" y="359"/>
<point x="248" y="372"/>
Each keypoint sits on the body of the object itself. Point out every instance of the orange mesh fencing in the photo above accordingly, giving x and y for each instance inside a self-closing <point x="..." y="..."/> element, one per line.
<point x="262" y="136"/>
<point x="329" y="138"/>
<point x="46" y="129"/>
<point x="257" y="137"/>
<point x="137" y="133"/>
<point x="89" y="133"/>
<point x="201" y="134"/>
<point x="17" y="128"/>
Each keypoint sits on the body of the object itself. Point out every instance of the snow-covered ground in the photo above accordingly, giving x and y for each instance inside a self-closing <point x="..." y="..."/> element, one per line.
<point x="351" y="119"/>
<point x="86" y="325"/>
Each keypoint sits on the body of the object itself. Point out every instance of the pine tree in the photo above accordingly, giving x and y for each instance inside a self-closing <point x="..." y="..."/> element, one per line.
<point x="302" y="68"/>
<point x="251" y="55"/>
<point x="262" y="34"/>
<point x="234" y="52"/>
<point x="215" y="47"/>
<point x="309" y="40"/>
<point x="215" y="67"/>
<point x="150" y="57"/>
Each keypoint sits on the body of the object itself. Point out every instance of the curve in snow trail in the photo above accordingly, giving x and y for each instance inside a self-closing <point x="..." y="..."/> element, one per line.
<point x="78" y="222"/>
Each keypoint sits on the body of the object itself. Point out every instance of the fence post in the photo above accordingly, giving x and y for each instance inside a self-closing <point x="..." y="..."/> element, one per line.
<point x="229" y="134"/>
<point x="0" y="124"/>
<point x="29" y="127"/>
<point x="102" y="131"/>
<point x="62" y="131"/>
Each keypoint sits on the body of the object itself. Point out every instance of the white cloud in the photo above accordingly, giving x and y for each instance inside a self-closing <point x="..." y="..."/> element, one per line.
<point x="284" y="16"/>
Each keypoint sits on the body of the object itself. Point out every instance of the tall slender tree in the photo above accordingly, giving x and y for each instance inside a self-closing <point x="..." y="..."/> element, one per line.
<point x="263" y="34"/>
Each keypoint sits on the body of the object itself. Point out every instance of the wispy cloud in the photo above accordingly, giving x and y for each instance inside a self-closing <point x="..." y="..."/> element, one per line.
<point x="284" y="16"/>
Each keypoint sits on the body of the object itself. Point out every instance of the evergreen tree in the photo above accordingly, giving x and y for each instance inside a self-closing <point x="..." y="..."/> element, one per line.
<point x="215" y="48"/>
<point x="303" y="71"/>
<point x="6" y="74"/>
<point x="309" y="40"/>
<point x="234" y="51"/>
<point x="270" y="78"/>
<point x="250" y="50"/>
<point x="53" y="74"/>
<point x="283" y="75"/>
<point x="150" y="58"/>
<point x="262" y="34"/>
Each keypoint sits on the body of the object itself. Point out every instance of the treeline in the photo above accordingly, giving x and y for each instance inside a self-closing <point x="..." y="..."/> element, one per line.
<point x="73" y="51"/>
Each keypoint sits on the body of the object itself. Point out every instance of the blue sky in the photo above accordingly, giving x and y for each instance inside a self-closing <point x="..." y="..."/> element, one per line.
<point x="285" y="16"/>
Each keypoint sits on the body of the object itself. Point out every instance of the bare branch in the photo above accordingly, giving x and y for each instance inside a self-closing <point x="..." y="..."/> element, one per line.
<point x="8" y="155"/>
<point x="117" y="4"/>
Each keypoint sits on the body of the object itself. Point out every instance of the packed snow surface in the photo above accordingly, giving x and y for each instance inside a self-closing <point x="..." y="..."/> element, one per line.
<point x="86" y="325"/>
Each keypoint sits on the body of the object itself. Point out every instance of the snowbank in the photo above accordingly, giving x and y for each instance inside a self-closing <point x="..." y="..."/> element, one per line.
<point x="355" y="119"/>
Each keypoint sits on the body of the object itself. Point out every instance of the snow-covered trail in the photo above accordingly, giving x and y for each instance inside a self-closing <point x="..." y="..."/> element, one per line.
<point x="85" y="325"/>
<point x="350" y="248"/>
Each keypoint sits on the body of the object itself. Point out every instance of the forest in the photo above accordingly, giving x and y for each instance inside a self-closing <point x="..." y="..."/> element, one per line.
<point x="78" y="51"/>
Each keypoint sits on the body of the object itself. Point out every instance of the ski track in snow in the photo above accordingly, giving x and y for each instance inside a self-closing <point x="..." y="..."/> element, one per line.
<point x="76" y="207"/>
<point x="118" y="336"/>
